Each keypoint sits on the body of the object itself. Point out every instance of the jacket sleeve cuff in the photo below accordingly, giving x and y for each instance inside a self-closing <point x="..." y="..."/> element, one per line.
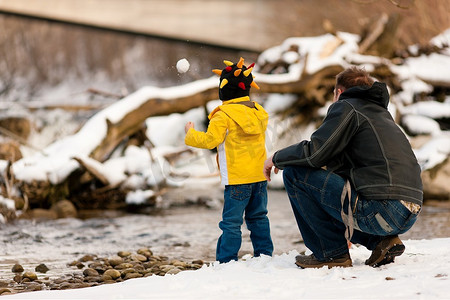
<point x="188" y="139"/>
<point x="274" y="160"/>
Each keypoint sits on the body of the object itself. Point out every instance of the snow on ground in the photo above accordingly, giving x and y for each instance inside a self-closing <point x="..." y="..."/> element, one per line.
<point x="424" y="266"/>
<point x="422" y="272"/>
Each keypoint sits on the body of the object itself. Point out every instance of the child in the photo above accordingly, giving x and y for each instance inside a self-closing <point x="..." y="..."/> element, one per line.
<point x="237" y="129"/>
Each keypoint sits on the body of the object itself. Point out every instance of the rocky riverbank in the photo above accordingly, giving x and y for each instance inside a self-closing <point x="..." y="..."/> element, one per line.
<point x="78" y="252"/>
<point x="91" y="270"/>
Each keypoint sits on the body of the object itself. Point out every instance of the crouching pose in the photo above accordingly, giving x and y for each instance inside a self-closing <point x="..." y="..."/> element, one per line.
<point x="356" y="178"/>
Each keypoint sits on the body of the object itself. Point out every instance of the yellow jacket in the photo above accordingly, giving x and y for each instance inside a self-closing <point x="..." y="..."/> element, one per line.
<point x="237" y="128"/>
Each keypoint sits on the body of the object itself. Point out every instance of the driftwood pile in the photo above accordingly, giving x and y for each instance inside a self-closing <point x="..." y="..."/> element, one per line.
<point x="87" y="188"/>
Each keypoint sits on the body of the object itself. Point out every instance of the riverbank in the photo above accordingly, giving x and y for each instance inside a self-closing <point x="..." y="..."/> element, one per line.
<point x="185" y="232"/>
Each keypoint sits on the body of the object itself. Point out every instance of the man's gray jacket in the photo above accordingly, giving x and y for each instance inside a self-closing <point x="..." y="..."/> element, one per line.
<point x="360" y="141"/>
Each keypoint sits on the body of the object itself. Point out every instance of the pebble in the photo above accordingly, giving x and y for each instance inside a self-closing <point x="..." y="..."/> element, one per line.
<point x="178" y="263"/>
<point x="126" y="271"/>
<point x="132" y="275"/>
<point x="77" y="264"/>
<point x="139" y="257"/>
<point x="5" y="291"/>
<point x="87" y="257"/>
<point x="59" y="280"/>
<point x="145" y="251"/>
<point x="17" y="268"/>
<point x="33" y="286"/>
<point x="17" y="278"/>
<point x="123" y="266"/>
<point x="65" y="286"/>
<point x="80" y="265"/>
<point x="124" y="253"/>
<point x="173" y="271"/>
<point x="198" y="262"/>
<point x="98" y="266"/>
<point x="167" y="268"/>
<point x="42" y="268"/>
<point x="114" y="274"/>
<point x="3" y="283"/>
<point x="196" y="266"/>
<point x="90" y="272"/>
<point x="149" y="264"/>
<point x="109" y="281"/>
<point x="29" y="275"/>
<point x="114" y="261"/>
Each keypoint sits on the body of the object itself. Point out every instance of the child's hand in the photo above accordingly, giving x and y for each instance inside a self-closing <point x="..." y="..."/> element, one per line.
<point x="188" y="126"/>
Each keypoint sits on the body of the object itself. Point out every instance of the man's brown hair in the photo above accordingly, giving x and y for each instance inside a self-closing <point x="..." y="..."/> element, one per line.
<point x="353" y="76"/>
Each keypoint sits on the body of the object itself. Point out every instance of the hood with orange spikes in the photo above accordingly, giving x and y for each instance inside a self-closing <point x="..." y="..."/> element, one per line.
<point x="235" y="80"/>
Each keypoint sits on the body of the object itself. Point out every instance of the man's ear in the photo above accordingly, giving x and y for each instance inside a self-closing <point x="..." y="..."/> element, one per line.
<point x="337" y="93"/>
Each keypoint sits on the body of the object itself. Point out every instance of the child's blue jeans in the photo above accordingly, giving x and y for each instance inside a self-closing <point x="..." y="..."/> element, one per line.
<point x="247" y="201"/>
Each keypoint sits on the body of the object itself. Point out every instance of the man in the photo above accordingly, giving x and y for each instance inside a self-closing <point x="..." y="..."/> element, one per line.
<point x="357" y="154"/>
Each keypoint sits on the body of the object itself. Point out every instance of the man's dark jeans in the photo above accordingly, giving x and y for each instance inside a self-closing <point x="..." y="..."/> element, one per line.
<point x="315" y="196"/>
<point x="249" y="200"/>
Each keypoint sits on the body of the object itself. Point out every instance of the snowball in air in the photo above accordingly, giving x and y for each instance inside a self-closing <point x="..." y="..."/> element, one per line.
<point x="182" y="65"/>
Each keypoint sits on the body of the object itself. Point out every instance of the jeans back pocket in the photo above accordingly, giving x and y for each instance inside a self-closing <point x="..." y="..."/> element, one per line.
<point x="383" y="223"/>
<point x="240" y="192"/>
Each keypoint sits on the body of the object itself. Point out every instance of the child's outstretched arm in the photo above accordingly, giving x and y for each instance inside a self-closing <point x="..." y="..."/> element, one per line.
<point x="210" y="139"/>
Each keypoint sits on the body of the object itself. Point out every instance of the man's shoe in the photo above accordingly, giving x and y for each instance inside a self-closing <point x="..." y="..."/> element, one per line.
<point x="386" y="251"/>
<point x="310" y="261"/>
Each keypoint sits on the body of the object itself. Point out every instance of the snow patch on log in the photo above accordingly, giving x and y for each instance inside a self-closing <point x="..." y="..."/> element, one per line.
<point x="55" y="162"/>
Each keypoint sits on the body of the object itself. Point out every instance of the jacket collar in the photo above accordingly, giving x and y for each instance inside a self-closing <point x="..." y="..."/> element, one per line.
<point x="236" y="100"/>
<point x="232" y="101"/>
<point x="377" y="93"/>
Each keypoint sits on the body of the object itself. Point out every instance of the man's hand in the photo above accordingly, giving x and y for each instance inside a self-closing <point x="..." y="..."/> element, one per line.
<point x="188" y="126"/>
<point x="268" y="164"/>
